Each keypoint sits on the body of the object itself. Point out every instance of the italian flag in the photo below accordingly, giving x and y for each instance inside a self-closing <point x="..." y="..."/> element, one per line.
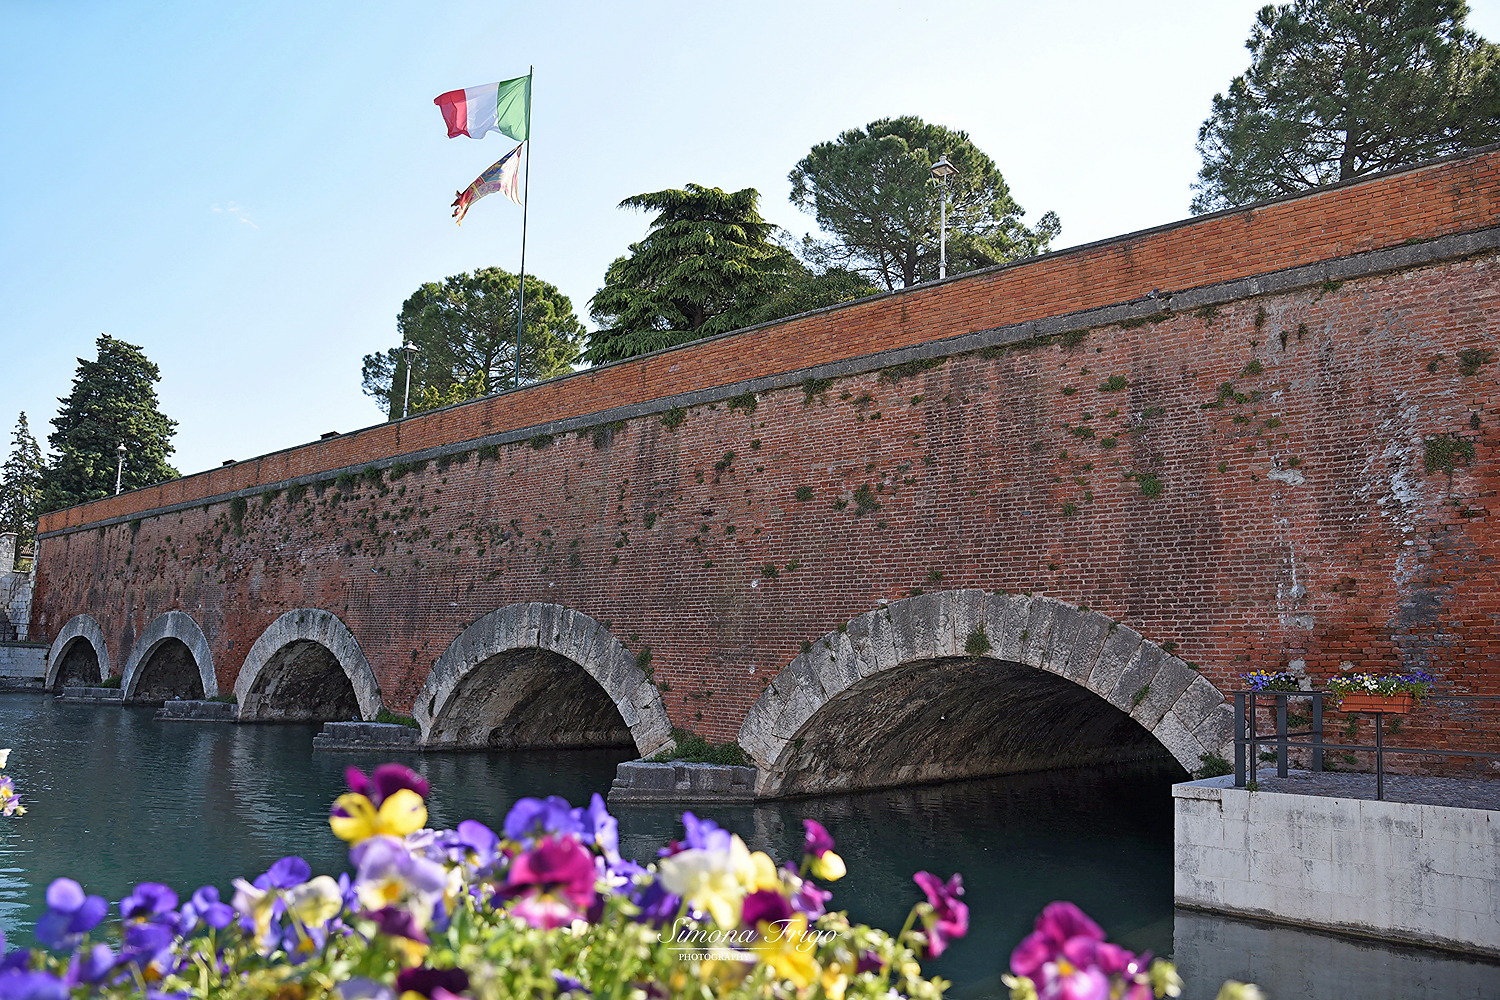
<point x="504" y="107"/>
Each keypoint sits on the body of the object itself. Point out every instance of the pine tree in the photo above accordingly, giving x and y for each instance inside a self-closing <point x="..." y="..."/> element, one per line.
<point x="21" y="484"/>
<point x="113" y="402"/>
<point x="707" y="266"/>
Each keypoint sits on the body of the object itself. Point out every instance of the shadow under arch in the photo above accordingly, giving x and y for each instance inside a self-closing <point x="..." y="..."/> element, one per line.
<point x="977" y="684"/>
<point x="306" y="667"/>
<point x="79" y="655"/>
<point x="539" y="675"/>
<point x="171" y="659"/>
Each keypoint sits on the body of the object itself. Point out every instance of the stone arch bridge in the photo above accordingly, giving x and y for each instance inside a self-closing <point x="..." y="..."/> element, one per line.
<point x="1036" y="516"/>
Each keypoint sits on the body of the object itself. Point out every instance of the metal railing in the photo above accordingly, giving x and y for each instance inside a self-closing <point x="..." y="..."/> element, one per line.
<point x="1247" y="739"/>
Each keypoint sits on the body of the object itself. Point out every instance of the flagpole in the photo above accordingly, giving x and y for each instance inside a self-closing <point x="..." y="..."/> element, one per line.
<point x="525" y="213"/>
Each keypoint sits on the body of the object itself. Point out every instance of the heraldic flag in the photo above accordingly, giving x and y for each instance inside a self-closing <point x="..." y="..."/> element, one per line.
<point x="504" y="107"/>
<point x="504" y="177"/>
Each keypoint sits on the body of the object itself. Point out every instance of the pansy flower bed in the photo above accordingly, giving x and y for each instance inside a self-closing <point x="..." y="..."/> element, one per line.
<point x="544" y="907"/>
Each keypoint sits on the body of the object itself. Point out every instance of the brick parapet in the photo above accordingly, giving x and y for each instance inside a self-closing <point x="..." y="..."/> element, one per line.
<point x="1451" y="196"/>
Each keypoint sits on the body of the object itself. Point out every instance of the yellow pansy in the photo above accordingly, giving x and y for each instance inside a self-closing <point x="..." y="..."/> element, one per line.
<point x="715" y="881"/>
<point x="315" y="902"/>
<point x="401" y="813"/>
<point x="785" y="947"/>
<point x="829" y="867"/>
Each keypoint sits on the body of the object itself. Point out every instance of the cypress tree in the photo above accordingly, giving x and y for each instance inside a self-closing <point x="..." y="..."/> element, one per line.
<point x="21" y="484"/>
<point x="113" y="402"/>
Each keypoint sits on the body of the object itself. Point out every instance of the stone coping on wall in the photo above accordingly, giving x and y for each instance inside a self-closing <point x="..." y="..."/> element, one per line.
<point x="1437" y="250"/>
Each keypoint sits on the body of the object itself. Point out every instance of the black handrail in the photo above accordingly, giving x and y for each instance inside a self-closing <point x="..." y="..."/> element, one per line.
<point x="1251" y="740"/>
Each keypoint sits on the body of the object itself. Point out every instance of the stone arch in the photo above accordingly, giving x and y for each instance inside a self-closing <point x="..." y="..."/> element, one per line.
<point x="1004" y="640"/>
<point x="171" y="637"/>
<point x="306" y="667"/>
<point x="78" y="642"/>
<point x="553" y="640"/>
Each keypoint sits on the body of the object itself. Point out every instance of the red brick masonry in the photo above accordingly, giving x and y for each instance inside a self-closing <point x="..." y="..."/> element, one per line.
<point x="1252" y="480"/>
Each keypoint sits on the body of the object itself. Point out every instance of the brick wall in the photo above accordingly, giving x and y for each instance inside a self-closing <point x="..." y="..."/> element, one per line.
<point x="1244" y="480"/>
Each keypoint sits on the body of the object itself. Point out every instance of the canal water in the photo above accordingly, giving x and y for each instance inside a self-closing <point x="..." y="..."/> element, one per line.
<point x="115" y="798"/>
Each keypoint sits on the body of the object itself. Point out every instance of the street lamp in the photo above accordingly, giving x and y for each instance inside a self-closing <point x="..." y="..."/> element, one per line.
<point x="409" y="351"/>
<point x="942" y="170"/>
<point x="120" y="468"/>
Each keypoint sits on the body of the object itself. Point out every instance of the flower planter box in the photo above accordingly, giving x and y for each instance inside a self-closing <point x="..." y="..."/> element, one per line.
<point x="1394" y="704"/>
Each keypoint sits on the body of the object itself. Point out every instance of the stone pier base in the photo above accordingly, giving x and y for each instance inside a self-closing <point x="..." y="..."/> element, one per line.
<point x="639" y="781"/>
<point x="93" y="695"/>
<point x="196" y="711"/>
<point x="365" y="736"/>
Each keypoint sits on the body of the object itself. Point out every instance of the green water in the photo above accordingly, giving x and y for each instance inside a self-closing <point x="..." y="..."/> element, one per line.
<point x="116" y="798"/>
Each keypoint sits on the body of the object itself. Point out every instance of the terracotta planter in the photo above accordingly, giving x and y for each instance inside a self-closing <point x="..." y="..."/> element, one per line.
<point x="1395" y="704"/>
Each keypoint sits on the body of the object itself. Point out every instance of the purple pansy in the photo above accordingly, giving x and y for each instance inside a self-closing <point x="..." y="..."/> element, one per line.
<point x="90" y="965"/>
<point x="950" y="915"/>
<point x="1058" y="924"/>
<point x="530" y="818"/>
<point x="818" y="841"/>
<point x="764" y="904"/>
<point x="206" y="906"/>
<point x="553" y="883"/>
<point x="20" y="984"/>
<point x="70" y="915"/>
<point x="424" y="980"/>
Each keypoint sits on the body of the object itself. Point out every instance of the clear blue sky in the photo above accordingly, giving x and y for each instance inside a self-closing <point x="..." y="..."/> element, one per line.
<point x="250" y="190"/>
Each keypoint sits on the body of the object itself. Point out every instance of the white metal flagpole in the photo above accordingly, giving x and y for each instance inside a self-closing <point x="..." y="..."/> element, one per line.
<point x="525" y="212"/>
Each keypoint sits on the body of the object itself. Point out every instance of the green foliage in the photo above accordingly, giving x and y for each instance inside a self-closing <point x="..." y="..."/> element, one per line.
<point x="1445" y="452"/>
<point x="804" y="493"/>
<point x="864" y="501"/>
<point x="813" y="388"/>
<point x="895" y="373"/>
<point x="695" y="749"/>
<point x="391" y="718"/>
<point x="978" y="643"/>
<point x="112" y="681"/>
<point x="1337" y="89"/>
<point x="237" y="508"/>
<point x="1214" y="766"/>
<point x="295" y="493"/>
<point x="113" y="402"/>
<point x="399" y="471"/>
<point x="706" y="266"/>
<point x="465" y="329"/>
<point x="21" y="484"/>
<point x="873" y="190"/>
<point x="807" y="289"/>
<point x="769" y="571"/>
<point x="1471" y="359"/>
<point x="539" y="441"/>
<point x="1151" y="485"/>
<point x="745" y="402"/>
<point x="673" y="418"/>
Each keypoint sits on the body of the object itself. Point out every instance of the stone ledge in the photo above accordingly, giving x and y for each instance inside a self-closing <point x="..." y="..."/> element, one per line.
<point x="365" y="736"/>
<point x="93" y="695"/>
<point x="640" y="781"/>
<point x="197" y="711"/>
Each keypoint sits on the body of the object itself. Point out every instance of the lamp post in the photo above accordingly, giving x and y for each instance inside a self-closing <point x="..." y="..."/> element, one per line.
<point x="942" y="170"/>
<point x="120" y="467"/>
<point x="409" y="351"/>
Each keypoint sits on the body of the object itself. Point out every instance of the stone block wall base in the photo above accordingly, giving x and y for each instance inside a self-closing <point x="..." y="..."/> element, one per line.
<point x="365" y="736"/>
<point x="1396" y="871"/>
<point x="196" y="711"/>
<point x="639" y="781"/>
<point x="93" y="695"/>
